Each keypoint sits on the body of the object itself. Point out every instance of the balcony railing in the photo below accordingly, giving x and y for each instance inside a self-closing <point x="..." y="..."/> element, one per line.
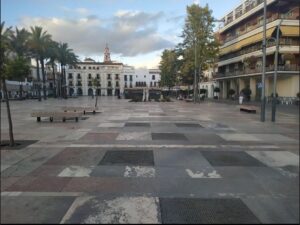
<point x="270" y="68"/>
<point x="255" y="26"/>
<point x="282" y="41"/>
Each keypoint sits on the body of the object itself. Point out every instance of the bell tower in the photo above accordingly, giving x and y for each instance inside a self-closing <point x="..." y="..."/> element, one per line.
<point x="106" y="55"/>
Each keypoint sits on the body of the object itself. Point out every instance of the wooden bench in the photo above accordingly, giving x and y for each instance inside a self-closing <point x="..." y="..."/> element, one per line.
<point x="60" y="115"/>
<point x="83" y="109"/>
<point x="249" y="109"/>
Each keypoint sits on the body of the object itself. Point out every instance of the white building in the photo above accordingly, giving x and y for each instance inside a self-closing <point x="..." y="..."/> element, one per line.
<point x="112" y="77"/>
<point x="108" y="74"/>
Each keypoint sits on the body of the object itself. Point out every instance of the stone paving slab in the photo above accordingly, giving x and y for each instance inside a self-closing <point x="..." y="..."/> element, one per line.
<point x="130" y="210"/>
<point x="205" y="211"/>
<point x="34" y="210"/>
<point x="77" y="156"/>
<point x="168" y="136"/>
<point x="231" y="159"/>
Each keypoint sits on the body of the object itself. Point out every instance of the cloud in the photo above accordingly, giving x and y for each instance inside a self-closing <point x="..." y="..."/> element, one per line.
<point x="128" y="33"/>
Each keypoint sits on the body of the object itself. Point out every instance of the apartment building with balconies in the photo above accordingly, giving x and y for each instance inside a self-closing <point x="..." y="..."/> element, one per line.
<point x="240" y="58"/>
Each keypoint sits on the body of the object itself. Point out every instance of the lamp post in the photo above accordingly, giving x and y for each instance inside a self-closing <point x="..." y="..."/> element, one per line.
<point x="263" y="97"/>
<point x="274" y="99"/>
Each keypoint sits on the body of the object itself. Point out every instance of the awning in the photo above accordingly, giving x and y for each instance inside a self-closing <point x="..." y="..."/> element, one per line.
<point x="247" y="41"/>
<point x="290" y="31"/>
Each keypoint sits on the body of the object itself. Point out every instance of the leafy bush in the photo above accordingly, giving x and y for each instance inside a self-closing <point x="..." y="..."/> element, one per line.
<point x="231" y="92"/>
<point x="247" y="93"/>
<point x="217" y="89"/>
<point x="203" y="91"/>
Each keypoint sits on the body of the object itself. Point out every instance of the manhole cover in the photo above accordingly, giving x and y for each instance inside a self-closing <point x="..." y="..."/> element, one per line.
<point x="127" y="157"/>
<point x="231" y="158"/>
<point x="137" y="124"/>
<point x="169" y="136"/>
<point x="19" y="144"/>
<point x="205" y="211"/>
<point x="189" y="125"/>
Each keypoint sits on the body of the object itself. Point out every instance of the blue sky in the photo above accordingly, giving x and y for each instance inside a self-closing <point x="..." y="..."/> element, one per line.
<point x="136" y="30"/>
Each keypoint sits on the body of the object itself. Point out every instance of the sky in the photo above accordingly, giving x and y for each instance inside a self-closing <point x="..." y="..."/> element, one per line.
<point x="136" y="31"/>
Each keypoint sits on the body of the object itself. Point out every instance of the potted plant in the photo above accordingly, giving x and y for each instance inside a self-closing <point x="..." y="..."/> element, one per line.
<point x="216" y="90"/>
<point x="247" y="93"/>
<point x="231" y="93"/>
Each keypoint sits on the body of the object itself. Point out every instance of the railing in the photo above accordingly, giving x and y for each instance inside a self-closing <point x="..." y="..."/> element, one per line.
<point x="255" y="26"/>
<point x="270" y="68"/>
<point x="257" y="47"/>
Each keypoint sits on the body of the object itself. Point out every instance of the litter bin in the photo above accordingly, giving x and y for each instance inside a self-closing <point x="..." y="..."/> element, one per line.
<point x="241" y="100"/>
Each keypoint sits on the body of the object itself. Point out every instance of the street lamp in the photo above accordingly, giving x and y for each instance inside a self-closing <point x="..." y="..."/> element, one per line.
<point x="274" y="99"/>
<point x="263" y="97"/>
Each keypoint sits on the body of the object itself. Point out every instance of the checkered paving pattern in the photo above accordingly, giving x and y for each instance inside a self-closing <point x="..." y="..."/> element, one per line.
<point x="152" y="163"/>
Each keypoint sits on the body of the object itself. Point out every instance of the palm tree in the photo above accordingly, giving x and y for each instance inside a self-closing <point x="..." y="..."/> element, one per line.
<point x="4" y="50"/>
<point x="66" y="57"/>
<point x="39" y="42"/>
<point x="19" y="45"/>
<point x="52" y="54"/>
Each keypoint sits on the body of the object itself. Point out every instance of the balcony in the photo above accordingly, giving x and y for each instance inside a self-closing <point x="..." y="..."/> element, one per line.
<point x="254" y="26"/>
<point x="248" y="71"/>
<point x="257" y="47"/>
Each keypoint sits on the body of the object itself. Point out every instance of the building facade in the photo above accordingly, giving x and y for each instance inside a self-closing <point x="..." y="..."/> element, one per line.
<point x="107" y="78"/>
<point x="240" y="59"/>
<point x="208" y="82"/>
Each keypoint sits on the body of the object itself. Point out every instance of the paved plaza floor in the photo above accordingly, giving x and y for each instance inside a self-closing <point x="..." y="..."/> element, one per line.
<point x="173" y="162"/>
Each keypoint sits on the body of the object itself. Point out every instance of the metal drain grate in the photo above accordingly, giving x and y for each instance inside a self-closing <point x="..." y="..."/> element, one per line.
<point x="230" y="158"/>
<point x="203" y="211"/>
<point x="128" y="157"/>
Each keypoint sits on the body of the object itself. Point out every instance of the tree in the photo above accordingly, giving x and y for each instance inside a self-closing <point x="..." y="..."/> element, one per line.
<point x="19" y="45"/>
<point x="65" y="57"/>
<point x="39" y="42"/>
<point x="231" y="92"/>
<point x="199" y="42"/>
<point x="96" y="85"/>
<point x="168" y="68"/>
<point x="4" y="51"/>
<point x="52" y="54"/>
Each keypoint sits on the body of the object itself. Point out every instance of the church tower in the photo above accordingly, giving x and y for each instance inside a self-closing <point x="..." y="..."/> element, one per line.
<point x="106" y="55"/>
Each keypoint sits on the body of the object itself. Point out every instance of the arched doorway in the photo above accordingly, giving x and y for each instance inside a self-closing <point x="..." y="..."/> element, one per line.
<point x="90" y="92"/>
<point x="71" y="91"/>
<point x="79" y="91"/>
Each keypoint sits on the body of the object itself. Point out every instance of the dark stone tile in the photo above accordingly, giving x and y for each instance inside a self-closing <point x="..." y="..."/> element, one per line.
<point x="19" y="144"/>
<point x="204" y="211"/>
<point x="230" y="158"/>
<point x="168" y="136"/>
<point x="139" y="158"/>
<point x="34" y="210"/>
<point x="188" y="125"/>
<point x="137" y="124"/>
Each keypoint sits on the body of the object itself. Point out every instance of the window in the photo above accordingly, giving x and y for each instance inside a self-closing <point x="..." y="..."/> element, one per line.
<point x="78" y="76"/>
<point x="84" y="67"/>
<point x="144" y="76"/>
<point x="70" y="67"/>
<point x="117" y="84"/>
<point x="90" y="83"/>
<point x="98" y="76"/>
<point x="117" y="76"/>
<point x="79" y="67"/>
<point x="130" y="77"/>
<point x="126" y="85"/>
<point x="151" y="84"/>
<point x="89" y="67"/>
<point x="109" y="84"/>
<point x="108" y="76"/>
<point x="70" y="76"/>
<point x="93" y="67"/>
<point x="130" y="85"/>
<point x="90" y="76"/>
<point x="97" y="67"/>
<point x="125" y="77"/>
<point x="153" y="77"/>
